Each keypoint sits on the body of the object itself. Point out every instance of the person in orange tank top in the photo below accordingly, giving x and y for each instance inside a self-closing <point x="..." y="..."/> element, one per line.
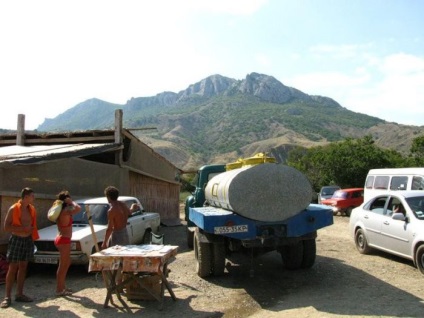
<point x="21" y="222"/>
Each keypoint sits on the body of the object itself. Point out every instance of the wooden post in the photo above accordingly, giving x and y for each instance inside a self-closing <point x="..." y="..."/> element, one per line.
<point x="20" y="136"/>
<point x="118" y="135"/>
<point x="93" y="233"/>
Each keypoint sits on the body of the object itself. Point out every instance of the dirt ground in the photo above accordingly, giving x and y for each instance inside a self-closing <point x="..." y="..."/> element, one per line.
<point x="342" y="283"/>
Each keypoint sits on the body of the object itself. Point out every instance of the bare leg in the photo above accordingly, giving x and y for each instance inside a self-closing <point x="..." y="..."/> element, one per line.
<point x="22" y="268"/>
<point x="10" y="277"/>
<point x="62" y="269"/>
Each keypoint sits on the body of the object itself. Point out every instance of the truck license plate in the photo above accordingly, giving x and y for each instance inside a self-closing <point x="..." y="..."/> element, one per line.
<point x="231" y="229"/>
<point x="46" y="260"/>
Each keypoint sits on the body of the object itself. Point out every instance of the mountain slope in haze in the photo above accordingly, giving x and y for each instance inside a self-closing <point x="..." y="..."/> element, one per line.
<point x="220" y="119"/>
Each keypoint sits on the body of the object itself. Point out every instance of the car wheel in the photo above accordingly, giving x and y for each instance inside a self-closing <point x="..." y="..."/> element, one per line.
<point x="147" y="236"/>
<point x="419" y="258"/>
<point x="361" y="242"/>
<point x="348" y="211"/>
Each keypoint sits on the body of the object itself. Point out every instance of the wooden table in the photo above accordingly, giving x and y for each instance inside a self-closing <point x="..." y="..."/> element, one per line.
<point x="136" y="261"/>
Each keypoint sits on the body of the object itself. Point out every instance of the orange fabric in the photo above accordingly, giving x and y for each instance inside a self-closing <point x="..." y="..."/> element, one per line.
<point x="16" y="218"/>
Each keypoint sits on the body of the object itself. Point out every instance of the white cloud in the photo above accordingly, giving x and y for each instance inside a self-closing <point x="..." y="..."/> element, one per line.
<point x="391" y="88"/>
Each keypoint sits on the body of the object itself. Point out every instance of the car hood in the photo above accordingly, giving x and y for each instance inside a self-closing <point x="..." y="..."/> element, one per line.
<point x="331" y="201"/>
<point x="79" y="231"/>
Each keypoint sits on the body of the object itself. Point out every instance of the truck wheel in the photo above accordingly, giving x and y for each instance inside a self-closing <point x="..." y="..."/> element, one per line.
<point x="419" y="258"/>
<point x="361" y="242"/>
<point x="218" y="266"/>
<point x="292" y="255"/>
<point x="190" y="238"/>
<point x="348" y="211"/>
<point x="309" y="253"/>
<point x="203" y="254"/>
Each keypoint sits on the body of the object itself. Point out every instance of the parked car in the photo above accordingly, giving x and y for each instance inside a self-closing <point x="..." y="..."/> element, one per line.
<point x="327" y="192"/>
<point x="345" y="200"/>
<point x="392" y="222"/>
<point x="140" y="226"/>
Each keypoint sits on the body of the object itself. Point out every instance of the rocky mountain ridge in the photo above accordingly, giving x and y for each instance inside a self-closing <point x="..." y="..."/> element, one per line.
<point x="220" y="119"/>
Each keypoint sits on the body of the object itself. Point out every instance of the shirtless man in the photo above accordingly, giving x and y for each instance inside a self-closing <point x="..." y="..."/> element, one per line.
<point x="21" y="223"/>
<point x="117" y="219"/>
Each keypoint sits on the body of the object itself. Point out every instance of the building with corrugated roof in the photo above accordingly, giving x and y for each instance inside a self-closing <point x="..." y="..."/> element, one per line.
<point x="85" y="163"/>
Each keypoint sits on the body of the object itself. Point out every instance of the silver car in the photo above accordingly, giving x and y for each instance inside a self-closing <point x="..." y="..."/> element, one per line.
<point x="391" y="222"/>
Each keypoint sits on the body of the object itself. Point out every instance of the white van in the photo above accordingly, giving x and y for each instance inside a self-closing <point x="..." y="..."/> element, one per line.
<point x="381" y="180"/>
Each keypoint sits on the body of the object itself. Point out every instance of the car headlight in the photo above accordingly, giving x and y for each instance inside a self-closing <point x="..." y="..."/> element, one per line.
<point x="75" y="246"/>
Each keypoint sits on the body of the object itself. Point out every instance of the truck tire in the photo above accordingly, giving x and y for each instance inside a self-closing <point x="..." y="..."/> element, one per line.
<point x="203" y="255"/>
<point x="218" y="266"/>
<point x="309" y="253"/>
<point x="292" y="255"/>
<point x="190" y="238"/>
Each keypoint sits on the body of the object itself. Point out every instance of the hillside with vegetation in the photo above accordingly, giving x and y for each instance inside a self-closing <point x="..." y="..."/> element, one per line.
<point x="220" y="119"/>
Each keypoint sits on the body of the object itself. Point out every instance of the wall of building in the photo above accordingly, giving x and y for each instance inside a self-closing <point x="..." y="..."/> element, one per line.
<point x="156" y="195"/>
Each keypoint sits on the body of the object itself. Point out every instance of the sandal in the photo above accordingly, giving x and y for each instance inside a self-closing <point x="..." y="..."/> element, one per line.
<point x="6" y="302"/>
<point x="63" y="293"/>
<point x="23" y="299"/>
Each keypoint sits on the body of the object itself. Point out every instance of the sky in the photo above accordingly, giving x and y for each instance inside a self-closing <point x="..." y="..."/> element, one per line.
<point x="368" y="55"/>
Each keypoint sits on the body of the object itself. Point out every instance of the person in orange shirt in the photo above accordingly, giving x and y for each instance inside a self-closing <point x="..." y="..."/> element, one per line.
<point x="21" y="222"/>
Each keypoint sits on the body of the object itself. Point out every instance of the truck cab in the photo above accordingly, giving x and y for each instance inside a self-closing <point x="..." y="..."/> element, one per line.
<point x="197" y="199"/>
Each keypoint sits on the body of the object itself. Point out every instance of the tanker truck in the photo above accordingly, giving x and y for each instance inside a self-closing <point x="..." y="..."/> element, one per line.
<point x="253" y="205"/>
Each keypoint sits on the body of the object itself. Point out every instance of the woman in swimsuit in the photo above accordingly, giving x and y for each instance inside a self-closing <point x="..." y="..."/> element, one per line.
<point x="63" y="240"/>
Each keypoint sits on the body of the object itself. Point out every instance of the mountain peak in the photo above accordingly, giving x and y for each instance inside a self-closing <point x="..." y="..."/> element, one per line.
<point x="269" y="89"/>
<point x="210" y="86"/>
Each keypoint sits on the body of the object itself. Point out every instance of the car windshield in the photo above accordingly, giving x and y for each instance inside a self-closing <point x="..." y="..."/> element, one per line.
<point x="417" y="206"/>
<point x="340" y="195"/>
<point x="98" y="214"/>
<point x="328" y="191"/>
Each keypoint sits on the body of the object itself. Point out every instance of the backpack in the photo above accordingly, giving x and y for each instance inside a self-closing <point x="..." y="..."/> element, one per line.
<point x="55" y="210"/>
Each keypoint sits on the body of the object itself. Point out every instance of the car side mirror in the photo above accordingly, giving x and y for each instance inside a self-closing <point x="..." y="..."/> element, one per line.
<point x="399" y="216"/>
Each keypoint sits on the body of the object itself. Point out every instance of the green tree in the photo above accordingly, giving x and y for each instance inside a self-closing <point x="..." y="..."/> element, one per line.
<point x="345" y="163"/>
<point x="417" y="151"/>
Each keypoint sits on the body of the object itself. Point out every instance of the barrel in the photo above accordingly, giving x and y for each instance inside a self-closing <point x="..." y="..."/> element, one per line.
<point x="266" y="192"/>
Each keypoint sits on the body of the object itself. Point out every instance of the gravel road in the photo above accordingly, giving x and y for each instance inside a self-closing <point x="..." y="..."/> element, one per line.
<point x="342" y="283"/>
